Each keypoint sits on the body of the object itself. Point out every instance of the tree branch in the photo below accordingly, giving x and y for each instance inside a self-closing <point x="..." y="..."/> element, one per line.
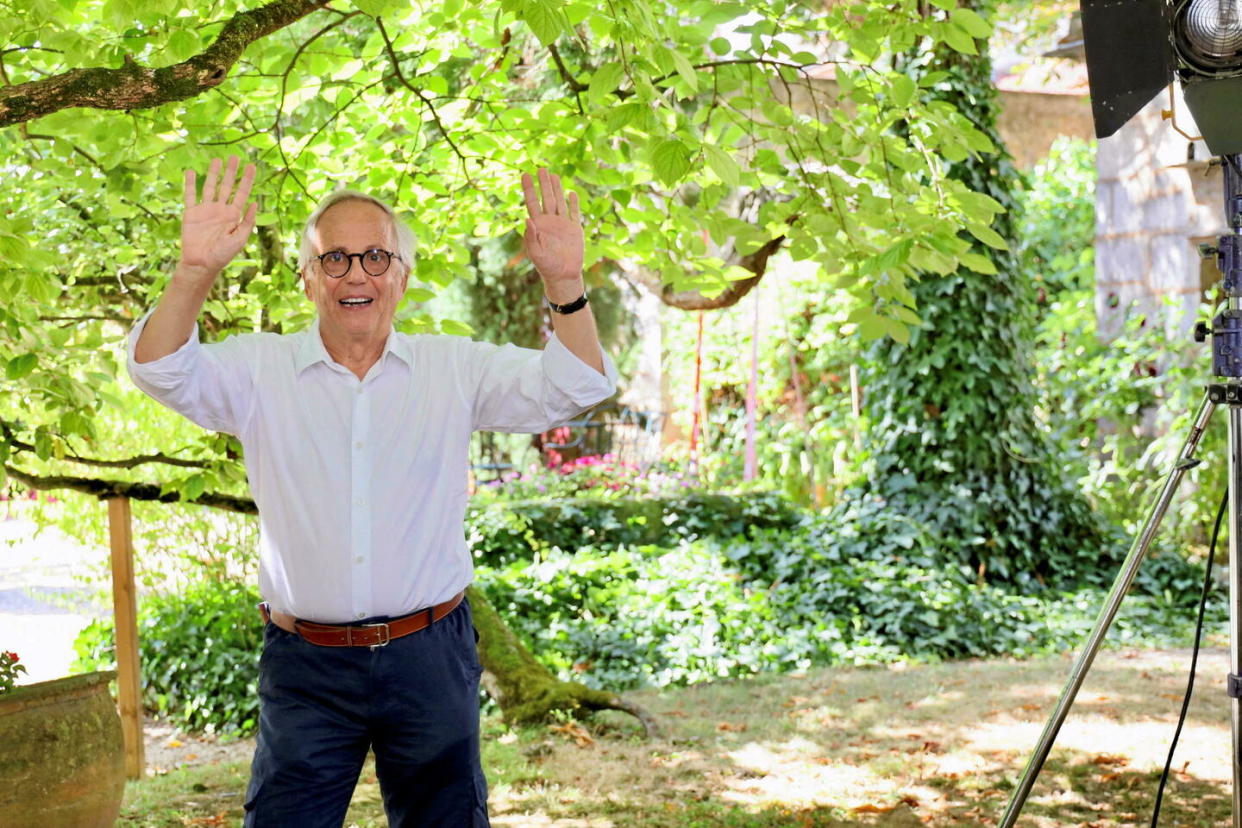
<point x="133" y="86"/>
<point x="756" y="263"/>
<point x="396" y="65"/>
<point x="6" y="431"/>
<point x="135" y="491"/>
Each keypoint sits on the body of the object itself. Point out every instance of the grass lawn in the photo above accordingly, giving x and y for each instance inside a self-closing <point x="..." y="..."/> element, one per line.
<point x="938" y="745"/>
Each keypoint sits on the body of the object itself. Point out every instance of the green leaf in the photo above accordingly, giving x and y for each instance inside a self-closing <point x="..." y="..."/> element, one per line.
<point x="21" y="366"/>
<point x="604" y="82"/>
<point x="671" y="161"/>
<point x="721" y="46"/>
<point x="987" y="235"/>
<point x="455" y="328"/>
<point x="979" y="263"/>
<point x="958" y="39"/>
<point x="376" y="8"/>
<point x="545" y="20"/>
<point x="903" y="90"/>
<point x="193" y="486"/>
<point x="971" y="22"/>
<point x="723" y="165"/>
<point x="43" y="443"/>
<point x="685" y="69"/>
<point x="183" y="45"/>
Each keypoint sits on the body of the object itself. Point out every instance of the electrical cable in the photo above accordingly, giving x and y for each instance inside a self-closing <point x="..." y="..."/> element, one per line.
<point x="1194" y="658"/>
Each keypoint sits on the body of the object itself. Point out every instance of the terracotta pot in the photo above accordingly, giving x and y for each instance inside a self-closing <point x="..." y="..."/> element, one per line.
<point x="62" y="759"/>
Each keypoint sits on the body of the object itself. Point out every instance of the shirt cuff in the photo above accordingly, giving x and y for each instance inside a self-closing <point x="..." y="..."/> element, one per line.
<point x="168" y="366"/>
<point x="574" y="378"/>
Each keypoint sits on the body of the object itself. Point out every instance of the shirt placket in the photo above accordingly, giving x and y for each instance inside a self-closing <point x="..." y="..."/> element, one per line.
<point x="363" y="600"/>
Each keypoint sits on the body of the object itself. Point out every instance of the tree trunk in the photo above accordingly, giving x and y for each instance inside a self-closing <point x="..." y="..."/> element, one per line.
<point x="525" y="690"/>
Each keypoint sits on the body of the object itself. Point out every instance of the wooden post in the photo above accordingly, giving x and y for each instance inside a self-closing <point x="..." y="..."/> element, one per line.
<point x="125" y="610"/>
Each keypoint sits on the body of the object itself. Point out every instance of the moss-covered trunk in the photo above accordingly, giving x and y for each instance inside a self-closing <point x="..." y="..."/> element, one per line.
<point x="525" y="690"/>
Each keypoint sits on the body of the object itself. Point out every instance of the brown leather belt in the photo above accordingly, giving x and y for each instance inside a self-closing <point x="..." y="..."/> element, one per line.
<point x="360" y="635"/>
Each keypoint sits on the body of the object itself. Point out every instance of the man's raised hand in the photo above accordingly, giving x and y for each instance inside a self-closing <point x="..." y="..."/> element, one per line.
<point x="215" y="227"/>
<point x="554" y="238"/>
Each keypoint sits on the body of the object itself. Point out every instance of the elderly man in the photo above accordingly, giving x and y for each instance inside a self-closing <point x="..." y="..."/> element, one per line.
<point x="356" y="443"/>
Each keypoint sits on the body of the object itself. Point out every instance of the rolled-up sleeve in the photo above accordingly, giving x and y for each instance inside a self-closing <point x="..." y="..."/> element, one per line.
<point x="212" y="385"/>
<point x="526" y="390"/>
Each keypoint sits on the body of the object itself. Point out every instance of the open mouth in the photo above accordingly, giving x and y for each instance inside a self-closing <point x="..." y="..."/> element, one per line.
<point x="356" y="302"/>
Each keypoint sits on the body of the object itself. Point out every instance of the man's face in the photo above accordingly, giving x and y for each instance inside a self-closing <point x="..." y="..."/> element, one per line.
<point x="356" y="306"/>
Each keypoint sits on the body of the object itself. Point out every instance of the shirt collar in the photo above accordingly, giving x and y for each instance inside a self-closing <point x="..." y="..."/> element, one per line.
<point x="311" y="349"/>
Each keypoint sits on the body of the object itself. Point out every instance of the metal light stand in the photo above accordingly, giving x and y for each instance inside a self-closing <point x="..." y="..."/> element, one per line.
<point x="1226" y="364"/>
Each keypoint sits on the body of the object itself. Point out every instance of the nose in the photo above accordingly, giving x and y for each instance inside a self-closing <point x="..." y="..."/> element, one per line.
<point x="355" y="275"/>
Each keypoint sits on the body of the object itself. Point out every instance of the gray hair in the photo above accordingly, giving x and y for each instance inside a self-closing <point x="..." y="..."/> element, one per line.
<point x="405" y="236"/>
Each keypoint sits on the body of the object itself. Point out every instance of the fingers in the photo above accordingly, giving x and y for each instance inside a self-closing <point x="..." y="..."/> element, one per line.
<point x="558" y="196"/>
<point x="547" y="190"/>
<point x="533" y="242"/>
<point x="243" y="191"/>
<point x="217" y="189"/>
<point x="529" y="195"/>
<point x="553" y="196"/>
<point x="209" y="186"/>
<point x="247" y="222"/>
<point x="230" y="177"/>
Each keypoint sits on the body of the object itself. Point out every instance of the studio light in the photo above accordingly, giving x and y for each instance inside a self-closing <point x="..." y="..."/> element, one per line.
<point x="1136" y="47"/>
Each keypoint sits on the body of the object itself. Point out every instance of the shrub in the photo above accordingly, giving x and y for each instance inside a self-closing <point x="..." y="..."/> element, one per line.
<point x="781" y="600"/>
<point x="200" y="655"/>
<point x="509" y="531"/>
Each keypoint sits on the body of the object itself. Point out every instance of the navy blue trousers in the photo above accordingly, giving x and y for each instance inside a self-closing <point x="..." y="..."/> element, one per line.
<point x="415" y="702"/>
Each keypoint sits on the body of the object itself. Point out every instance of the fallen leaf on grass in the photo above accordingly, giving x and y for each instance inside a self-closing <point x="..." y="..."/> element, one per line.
<point x="735" y="728"/>
<point x="1109" y="759"/>
<point x="870" y="808"/>
<point x="575" y="731"/>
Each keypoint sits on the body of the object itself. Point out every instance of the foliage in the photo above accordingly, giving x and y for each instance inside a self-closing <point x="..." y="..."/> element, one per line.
<point x="1056" y="221"/>
<point x="10" y="669"/>
<point x="805" y="427"/>
<point x="782" y="600"/>
<point x="1116" y="411"/>
<point x="517" y="532"/>
<point x="695" y="133"/>
<point x="200" y="655"/>
<point x="952" y="436"/>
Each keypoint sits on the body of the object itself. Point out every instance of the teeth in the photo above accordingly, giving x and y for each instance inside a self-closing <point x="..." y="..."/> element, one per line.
<point x="355" y="301"/>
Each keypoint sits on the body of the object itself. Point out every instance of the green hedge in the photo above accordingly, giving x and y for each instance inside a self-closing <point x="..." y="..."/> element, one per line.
<point x="505" y="532"/>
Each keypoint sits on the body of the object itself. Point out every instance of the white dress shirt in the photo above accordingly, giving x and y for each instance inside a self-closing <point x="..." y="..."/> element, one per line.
<point x="361" y="484"/>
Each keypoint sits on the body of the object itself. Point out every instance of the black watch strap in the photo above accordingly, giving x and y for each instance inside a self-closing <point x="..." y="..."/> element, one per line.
<point x="576" y="305"/>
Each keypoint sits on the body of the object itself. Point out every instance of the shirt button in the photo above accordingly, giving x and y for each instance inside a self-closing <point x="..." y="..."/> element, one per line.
<point x="358" y="391"/>
<point x="360" y="502"/>
<point x="359" y="559"/>
<point x="362" y="615"/>
<point x="358" y="444"/>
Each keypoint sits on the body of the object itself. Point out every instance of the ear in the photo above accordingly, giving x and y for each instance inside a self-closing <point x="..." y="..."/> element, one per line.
<point x="306" y="288"/>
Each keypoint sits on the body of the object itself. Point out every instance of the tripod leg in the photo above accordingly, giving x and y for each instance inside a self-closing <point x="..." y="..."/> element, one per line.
<point x="1121" y="585"/>
<point x="1235" y="602"/>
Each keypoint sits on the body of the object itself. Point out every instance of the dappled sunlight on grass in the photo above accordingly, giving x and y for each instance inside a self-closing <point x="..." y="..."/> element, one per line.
<point x="889" y="747"/>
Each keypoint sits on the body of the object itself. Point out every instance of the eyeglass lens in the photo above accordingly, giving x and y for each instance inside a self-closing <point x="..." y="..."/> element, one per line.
<point x="374" y="262"/>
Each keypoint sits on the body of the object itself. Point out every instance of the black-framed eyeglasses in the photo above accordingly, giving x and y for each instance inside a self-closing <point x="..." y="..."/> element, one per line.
<point x="374" y="262"/>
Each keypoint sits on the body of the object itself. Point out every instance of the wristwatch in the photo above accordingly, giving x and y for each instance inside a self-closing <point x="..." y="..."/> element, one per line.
<point x="576" y="305"/>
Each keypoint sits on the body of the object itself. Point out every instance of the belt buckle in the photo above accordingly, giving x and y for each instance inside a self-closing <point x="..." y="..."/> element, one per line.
<point x="386" y="637"/>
